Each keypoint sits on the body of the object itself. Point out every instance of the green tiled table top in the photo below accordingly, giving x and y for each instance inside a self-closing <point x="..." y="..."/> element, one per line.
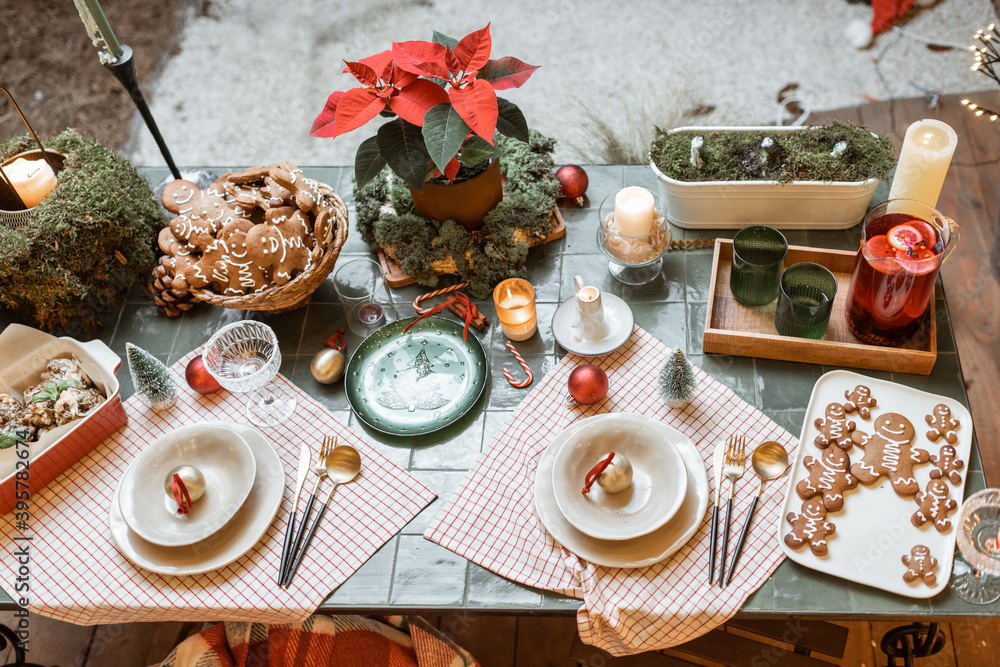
<point x="410" y="573"/>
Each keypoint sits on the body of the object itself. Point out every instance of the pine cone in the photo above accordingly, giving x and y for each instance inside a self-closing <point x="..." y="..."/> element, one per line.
<point x="169" y="292"/>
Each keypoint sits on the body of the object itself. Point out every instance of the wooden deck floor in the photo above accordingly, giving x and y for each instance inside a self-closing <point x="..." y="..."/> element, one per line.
<point x="970" y="196"/>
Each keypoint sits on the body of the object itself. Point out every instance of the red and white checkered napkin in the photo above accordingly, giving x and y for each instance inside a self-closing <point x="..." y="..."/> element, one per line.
<point x="491" y="520"/>
<point x="77" y="574"/>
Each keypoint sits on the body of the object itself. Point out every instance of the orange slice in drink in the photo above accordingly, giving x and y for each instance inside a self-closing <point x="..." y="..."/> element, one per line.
<point x="904" y="237"/>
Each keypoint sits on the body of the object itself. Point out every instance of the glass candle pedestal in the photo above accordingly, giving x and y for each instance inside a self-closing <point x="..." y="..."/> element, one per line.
<point x="635" y="258"/>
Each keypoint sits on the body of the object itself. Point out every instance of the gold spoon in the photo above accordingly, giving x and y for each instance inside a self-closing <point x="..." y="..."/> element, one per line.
<point x="770" y="461"/>
<point x="342" y="466"/>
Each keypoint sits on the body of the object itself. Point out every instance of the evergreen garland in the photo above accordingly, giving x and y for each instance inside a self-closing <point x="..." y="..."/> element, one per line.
<point x="151" y="378"/>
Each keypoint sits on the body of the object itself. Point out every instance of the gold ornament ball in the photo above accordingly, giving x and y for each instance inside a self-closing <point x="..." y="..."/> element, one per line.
<point x="193" y="480"/>
<point x="328" y="365"/>
<point x="617" y="476"/>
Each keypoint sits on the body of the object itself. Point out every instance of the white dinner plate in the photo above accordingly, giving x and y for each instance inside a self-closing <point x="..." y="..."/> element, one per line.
<point x="222" y="456"/>
<point x="874" y="529"/>
<point x="618" y="319"/>
<point x="659" y="480"/>
<point x="641" y="551"/>
<point x="228" y="544"/>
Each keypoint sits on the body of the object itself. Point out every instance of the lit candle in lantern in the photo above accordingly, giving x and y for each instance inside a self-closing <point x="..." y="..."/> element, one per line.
<point x="923" y="161"/>
<point x="32" y="179"/>
<point x="515" y="302"/>
<point x="634" y="211"/>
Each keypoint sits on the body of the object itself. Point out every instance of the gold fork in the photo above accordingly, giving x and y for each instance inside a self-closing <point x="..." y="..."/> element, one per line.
<point x="319" y="469"/>
<point x="735" y="461"/>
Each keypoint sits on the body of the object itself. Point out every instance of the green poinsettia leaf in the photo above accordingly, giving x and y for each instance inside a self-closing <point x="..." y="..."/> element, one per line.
<point x="476" y="150"/>
<point x="368" y="163"/>
<point x="402" y="146"/>
<point x="443" y="131"/>
<point x="440" y="38"/>
<point x="12" y="437"/>
<point x="510" y="120"/>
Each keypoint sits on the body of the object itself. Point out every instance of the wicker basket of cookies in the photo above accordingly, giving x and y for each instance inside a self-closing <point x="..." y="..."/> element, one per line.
<point x="262" y="239"/>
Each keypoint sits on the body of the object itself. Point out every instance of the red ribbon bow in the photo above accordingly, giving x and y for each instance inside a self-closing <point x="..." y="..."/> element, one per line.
<point x="181" y="495"/>
<point x="596" y="471"/>
<point x="460" y="297"/>
<point x="337" y="346"/>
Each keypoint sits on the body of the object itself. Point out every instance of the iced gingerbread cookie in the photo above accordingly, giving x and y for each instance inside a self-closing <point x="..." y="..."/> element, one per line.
<point x="942" y="424"/>
<point x="834" y="429"/>
<point x="280" y="249"/>
<point x="947" y="465"/>
<point x="200" y="215"/>
<point x="829" y="476"/>
<point x="860" y="400"/>
<point x="889" y="452"/>
<point x="920" y="565"/>
<point x="810" y="526"/>
<point x="935" y="505"/>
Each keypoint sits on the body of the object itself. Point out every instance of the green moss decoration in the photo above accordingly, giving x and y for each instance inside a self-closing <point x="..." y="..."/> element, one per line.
<point x="385" y="217"/>
<point x="799" y="156"/>
<point x="86" y="244"/>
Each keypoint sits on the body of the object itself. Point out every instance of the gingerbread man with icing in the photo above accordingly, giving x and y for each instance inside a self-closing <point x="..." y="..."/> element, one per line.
<point x="860" y="400"/>
<point x="889" y="452"/>
<point x="834" y="429"/>
<point x="200" y="214"/>
<point x="829" y="476"/>
<point x="810" y="526"/>
<point x="920" y="565"/>
<point x="280" y="248"/>
<point x="935" y="505"/>
<point x="942" y="424"/>
<point x="947" y="465"/>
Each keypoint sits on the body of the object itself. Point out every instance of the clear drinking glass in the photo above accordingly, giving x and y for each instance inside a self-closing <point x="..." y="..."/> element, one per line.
<point x="244" y="357"/>
<point x="976" y="573"/>
<point x="360" y="286"/>
<point x="806" y="300"/>
<point x="758" y="257"/>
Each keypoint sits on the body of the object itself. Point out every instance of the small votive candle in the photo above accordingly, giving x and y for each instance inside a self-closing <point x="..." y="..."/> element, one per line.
<point x="33" y="180"/>
<point x="515" y="302"/>
<point x="634" y="211"/>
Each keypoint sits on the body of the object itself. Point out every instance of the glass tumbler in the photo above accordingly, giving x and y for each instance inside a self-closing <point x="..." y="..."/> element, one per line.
<point x="758" y="256"/>
<point x="806" y="300"/>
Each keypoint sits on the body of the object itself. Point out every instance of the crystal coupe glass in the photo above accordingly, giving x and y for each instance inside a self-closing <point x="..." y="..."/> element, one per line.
<point x="244" y="357"/>
<point x="976" y="574"/>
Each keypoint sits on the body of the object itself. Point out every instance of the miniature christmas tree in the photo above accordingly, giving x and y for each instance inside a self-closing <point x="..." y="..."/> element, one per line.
<point x="677" y="382"/>
<point x="151" y="378"/>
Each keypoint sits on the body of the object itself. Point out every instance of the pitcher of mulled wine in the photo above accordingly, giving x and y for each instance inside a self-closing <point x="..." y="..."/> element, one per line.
<point x="903" y="245"/>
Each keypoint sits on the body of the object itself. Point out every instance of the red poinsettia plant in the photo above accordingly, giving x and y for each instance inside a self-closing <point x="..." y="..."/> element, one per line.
<point x="441" y="96"/>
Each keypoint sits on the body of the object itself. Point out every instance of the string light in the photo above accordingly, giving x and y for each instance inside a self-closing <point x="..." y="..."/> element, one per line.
<point x="987" y="59"/>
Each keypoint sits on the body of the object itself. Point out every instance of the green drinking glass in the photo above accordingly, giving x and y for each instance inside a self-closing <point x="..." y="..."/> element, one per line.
<point x="758" y="255"/>
<point x="806" y="300"/>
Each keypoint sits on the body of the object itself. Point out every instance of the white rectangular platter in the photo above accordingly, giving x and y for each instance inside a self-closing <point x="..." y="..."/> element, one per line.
<point x="874" y="529"/>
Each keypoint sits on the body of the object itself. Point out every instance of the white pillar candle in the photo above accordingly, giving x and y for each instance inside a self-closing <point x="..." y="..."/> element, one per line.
<point x="634" y="211"/>
<point x="32" y="179"/>
<point x="923" y="161"/>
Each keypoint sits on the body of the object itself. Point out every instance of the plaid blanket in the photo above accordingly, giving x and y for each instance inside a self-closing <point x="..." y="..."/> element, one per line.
<point x="350" y="641"/>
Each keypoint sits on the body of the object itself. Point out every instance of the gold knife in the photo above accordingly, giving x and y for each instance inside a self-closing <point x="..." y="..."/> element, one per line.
<point x="718" y="459"/>
<point x="304" y="458"/>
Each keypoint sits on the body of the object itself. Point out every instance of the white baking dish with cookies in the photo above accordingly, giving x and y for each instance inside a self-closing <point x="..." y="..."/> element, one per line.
<point x="82" y="409"/>
<point x="877" y="483"/>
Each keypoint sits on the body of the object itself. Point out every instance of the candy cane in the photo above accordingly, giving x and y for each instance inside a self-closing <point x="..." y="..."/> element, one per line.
<point x="416" y="302"/>
<point x="510" y="378"/>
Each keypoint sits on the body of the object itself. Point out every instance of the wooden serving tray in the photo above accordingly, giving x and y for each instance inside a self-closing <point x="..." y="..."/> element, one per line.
<point x="394" y="276"/>
<point x="731" y="328"/>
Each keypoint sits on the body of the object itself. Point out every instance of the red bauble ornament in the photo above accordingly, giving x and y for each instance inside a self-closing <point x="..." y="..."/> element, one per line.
<point x="573" y="182"/>
<point x="199" y="379"/>
<point x="588" y="384"/>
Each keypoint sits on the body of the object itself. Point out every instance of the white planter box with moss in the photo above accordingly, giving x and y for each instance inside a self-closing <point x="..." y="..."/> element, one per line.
<point x="794" y="204"/>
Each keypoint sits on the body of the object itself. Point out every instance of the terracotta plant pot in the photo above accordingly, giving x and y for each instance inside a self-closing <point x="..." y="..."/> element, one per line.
<point x="466" y="203"/>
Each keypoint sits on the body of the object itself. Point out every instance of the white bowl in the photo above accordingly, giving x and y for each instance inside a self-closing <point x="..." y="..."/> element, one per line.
<point x="659" y="480"/>
<point x="223" y="457"/>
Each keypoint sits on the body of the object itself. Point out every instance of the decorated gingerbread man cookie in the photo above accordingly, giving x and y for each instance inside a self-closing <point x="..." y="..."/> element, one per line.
<point x="889" y="452"/>
<point x="200" y="215"/>
<point x="935" y="505"/>
<point x="860" y="400"/>
<point x="920" y="565"/>
<point x="942" y="424"/>
<point x="810" y="526"/>
<point x="947" y="465"/>
<point x="834" y="429"/>
<point x="829" y="476"/>
<point x="279" y="249"/>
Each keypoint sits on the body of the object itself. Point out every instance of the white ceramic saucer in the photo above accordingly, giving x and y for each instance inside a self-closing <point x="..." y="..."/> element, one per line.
<point x="223" y="457"/>
<point x="235" y="539"/>
<point x="617" y="318"/>
<point x="659" y="481"/>
<point x="641" y="551"/>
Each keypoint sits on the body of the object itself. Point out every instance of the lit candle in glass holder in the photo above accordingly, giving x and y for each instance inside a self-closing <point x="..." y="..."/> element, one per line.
<point x="33" y="180"/>
<point x="515" y="302"/>
<point x="634" y="211"/>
